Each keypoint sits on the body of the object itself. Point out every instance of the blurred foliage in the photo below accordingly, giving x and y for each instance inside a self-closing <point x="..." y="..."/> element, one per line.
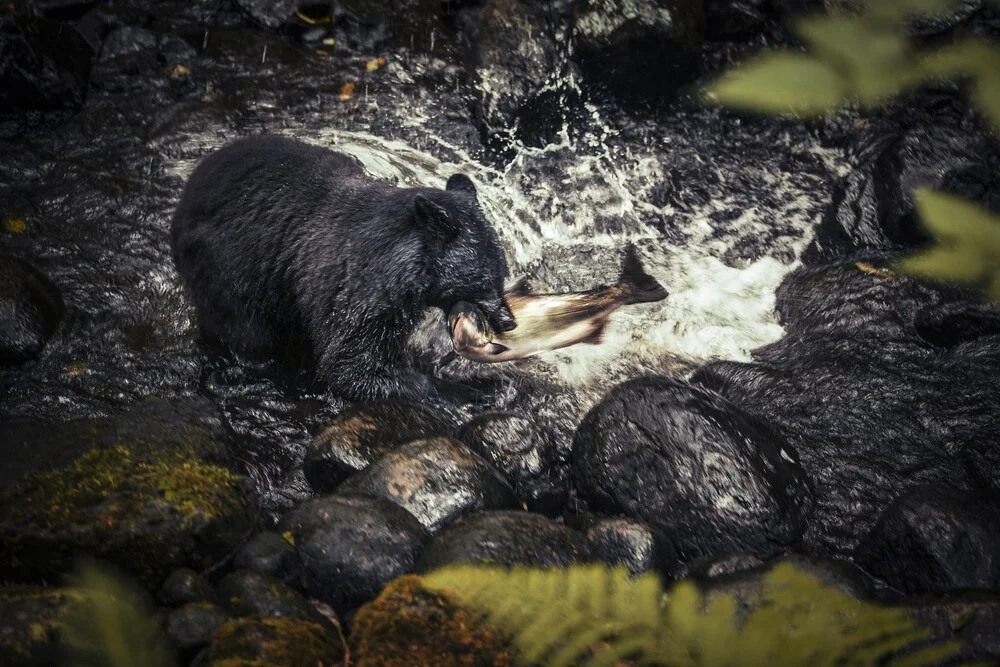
<point x="111" y="624"/>
<point x="865" y="56"/>
<point x="592" y="615"/>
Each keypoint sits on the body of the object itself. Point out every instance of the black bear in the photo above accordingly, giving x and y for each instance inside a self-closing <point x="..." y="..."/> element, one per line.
<point x="283" y="245"/>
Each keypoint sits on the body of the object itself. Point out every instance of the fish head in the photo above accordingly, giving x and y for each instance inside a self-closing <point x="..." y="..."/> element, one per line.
<point x="468" y="328"/>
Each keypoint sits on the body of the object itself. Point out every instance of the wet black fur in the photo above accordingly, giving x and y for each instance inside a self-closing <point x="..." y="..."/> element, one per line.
<point x="283" y="245"/>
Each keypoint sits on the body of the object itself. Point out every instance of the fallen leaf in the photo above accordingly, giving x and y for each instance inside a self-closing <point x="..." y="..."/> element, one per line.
<point x="15" y="225"/>
<point x="374" y="64"/>
<point x="346" y="92"/>
<point x="177" y="72"/>
<point x="323" y="20"/>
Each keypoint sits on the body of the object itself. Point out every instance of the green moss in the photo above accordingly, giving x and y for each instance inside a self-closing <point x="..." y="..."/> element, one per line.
<point x="31" y="618"/>
<point x="409" y="624"/>
<point x="274" y="642"/>
<point x="107" y="486"/>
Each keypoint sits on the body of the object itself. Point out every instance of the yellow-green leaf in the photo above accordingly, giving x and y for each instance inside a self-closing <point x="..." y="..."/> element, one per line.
<point x="781" y="82"/>
<point x="960" y="265"/>
<point x="958" y="221"/>
<point x="898" y="10"/>
<point x="853" y="43"/>
<point x="987" y="94"/>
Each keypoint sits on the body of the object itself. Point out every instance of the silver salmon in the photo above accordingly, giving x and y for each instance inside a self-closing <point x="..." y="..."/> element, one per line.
<point x="549" y="321"/>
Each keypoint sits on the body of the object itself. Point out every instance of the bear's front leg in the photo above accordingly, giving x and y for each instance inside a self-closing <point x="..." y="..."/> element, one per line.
<point x="367" y="374"/>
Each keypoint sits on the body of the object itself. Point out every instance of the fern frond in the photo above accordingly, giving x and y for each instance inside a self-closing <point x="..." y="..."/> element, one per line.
<point x="593" y="616"/>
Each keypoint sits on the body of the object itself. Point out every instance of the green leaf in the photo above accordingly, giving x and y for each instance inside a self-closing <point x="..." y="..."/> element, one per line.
<point x="942" y="263"/>
<point x="852" y="42"/>
<point x="958" y="221"/>
<point x="781" y="82"/>
<point x="987" y="94"/>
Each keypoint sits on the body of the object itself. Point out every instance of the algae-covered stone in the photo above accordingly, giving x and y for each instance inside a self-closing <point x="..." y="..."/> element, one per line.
<point x="30" y="617"/>
<point x="274" y="642"/>
<point x="192" y="626"/>
<point x="145" y="508"/>
<point x="249" y="593"/>
<point x="409" y="624"/>
<point x="184" y="586"/>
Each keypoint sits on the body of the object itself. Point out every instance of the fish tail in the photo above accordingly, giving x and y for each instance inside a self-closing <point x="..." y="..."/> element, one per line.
<point x="639" y="286"/>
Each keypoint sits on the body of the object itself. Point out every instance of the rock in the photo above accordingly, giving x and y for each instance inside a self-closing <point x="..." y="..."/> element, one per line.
<point x="725" y="565"/>
<point x="526" y="453"/>
<point x="143" y="505"/>
<point x="934" y="24"/>
<point x="871" y="406"/>
<point x="708" y="478"/>
<point x="351" y="547"/>
<point x="640" y="50"/>
<point x="192" y="626"/>
<point x="508" y="538"/>
<point x="947" y="538"/>
<point x="971" y="618"/>
<point x="30" y="310"/>
<point x="631" y="543"/>
<point x="190" y="426"/>
<point x="249" y="593"/>
<point x="409" y="624"/>
<point x="28" y="445"/>
<point x="137" y="44"/>
<point x="173" y="50"/>
<point x="30" y="620"/>
<point x="44" y="64"/>
<point x="436" y="480"/>
<point x="267" y="553"/>
<point x="361" y="434"/>
<point x="518" y="51"/>
<point x="932" y="142"/>
<point x="734" y="19"/>
<point x="184" y="586"/>
<point x="269" y="13"/>
<point x="275" y="642"/>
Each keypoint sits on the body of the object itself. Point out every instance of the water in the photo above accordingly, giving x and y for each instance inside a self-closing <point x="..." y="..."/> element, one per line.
<point x="718" y="208"/>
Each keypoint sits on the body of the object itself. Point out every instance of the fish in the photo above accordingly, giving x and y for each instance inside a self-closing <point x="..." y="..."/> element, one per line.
<point x="547" y="322"/>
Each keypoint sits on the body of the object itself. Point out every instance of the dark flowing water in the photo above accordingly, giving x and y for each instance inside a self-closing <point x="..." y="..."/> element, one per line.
<point x="719" y="209"/>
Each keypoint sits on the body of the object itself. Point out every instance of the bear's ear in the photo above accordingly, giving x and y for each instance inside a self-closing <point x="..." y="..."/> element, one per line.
<point x="435" y="219"/>
<point x="461" y="183"/>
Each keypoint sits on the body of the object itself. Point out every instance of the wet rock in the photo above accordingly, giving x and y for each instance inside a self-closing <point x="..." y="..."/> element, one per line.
<point x="936" y="143"/>
<point x="934" y="24"/>
<point x="30" y="620"/>
<point x="44" y="64"/>
<point x="631" y="543"/>
<point x="935" y="539"/>
<point x="508" y="538"/>
<point x="146" y="506"/>
<point x="618" y="43"/>
<point x="28" y="445"/>
<point x="732" y="564"/>
<point x="276" y="642"/>
<point x="268" y="553"/>
<point x="129" y="42"/>
<point x="269" y="13"/>
<point x="249" y="593"/>
<point x="363" y="433"/>
<point x="30" y="310"/>
<point x="871" y="406"/>
<point x="732" y="19"/>
<point x="971" y="618"/>
<point x="526" y="453"/>
<point x="708" y="478"/>
<point x="519" y="53"/>
<point x="173" y="50"/>
<point x="351" y="547"/>
<point x="409" y="624"/>
<point x="192" y="626"/>
<point x="437" y="480"/>
<point x="363" y="26"/>
<point x="191" y="426"/>
<point x="185" y="586"/>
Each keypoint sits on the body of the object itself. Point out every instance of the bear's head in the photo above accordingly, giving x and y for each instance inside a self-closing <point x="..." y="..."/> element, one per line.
<point x="468" y="263"/>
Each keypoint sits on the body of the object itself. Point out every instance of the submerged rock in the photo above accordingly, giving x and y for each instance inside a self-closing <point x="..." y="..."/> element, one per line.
<point x="192" y="626"/>
<point x="631" y="543"/>
<point x="639" y="49"/>
<point x="971" y="618"/>
<point x="269" y="13"/>
<point x="872" y="406"/>
<point x="268" y="553"/>
<point x="707" y="477"/>
<point x="185" y="586"/>
<point x="275" y="642"/>
<point x="361" y="434"/>
<point x="351" y="547"/>
<point x="409" y="624"/>
<point x="506" y="537"/>
<point x="437" y="480"/>
<point x="527" y="453"/>
<point x="949" y="539"/>
<point x="937" y="144"/>
<point x="30" y="310"/>
<point x="144" y="501"/>
<point x="249" y="593"/>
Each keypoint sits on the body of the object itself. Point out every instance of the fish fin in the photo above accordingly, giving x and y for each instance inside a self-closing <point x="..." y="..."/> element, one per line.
<point x="639" y="286"/>
<point x="597" y="337"/>
<point x="521" y="288"/>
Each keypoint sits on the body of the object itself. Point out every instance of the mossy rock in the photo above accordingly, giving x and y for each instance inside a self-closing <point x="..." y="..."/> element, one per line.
<point x="143" y="507"/>
<point x="30" y="619"/>
<point x="274" y="642"/>
<point x="409" y="624"/>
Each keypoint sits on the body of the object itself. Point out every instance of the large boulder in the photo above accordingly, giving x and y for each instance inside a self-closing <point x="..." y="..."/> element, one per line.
<point x="707" y="477"/>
